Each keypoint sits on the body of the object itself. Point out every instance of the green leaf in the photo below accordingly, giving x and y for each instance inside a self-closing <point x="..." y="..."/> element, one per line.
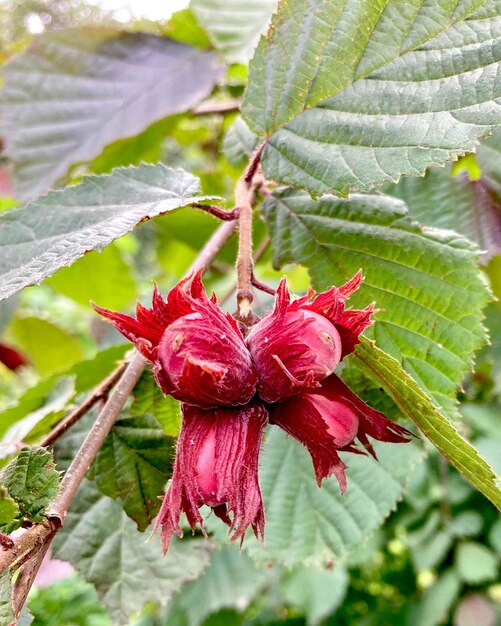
<point x="495" y="536"/>
<point x="86" y="374"/>
<point x="317" y="593"/>
<point x="31" y="479"/>
<point x="239" y="143"/>
<point x="133" y="465"/>
<point x="8" y="507"/>
<point x="148" y="398"/>
<point x="143" y="148"/>
<point x="305" y="524"/>
<point x="234" y="27"/>
<point x="230" y="581"/>
<point x="469" y="207"/>
<point x="426" y="283"/>
<point x="54" y="231"/>
<point x="31" y="427"/>
<point x="49" y="348"/>
<point x="104" y="545"/>
<point x="475" y="563"/>
<point x="104" y="278"/>
<point x="72" y="92"/>
<point x="358" y="93"/>
<point x="437" y="601"/>
<point x="417" y="406"/>
<point x="6" y="612"/>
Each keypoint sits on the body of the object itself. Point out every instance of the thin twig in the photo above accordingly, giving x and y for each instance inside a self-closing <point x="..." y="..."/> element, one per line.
<point x="97" y="394"/>
<point x="244" y="195"/>
<point x="212" y="107"/>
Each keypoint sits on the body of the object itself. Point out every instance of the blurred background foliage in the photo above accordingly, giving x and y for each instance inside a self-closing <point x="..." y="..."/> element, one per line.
<point x="437" y="558"/>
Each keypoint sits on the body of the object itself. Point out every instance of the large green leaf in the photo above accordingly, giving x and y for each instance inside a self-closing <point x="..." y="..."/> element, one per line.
<point x="305" y="524"/>
<point x="234" y="26"/>
<point x="426" y="283"/>
<point x="133" y="465"/>
<point x="32" y="481"/>
<point x="70" y="93"/>
<point x="231" y="580"/>
<point x="55" y="230"/>
<point x="356" y="93"/>
<point x="104" y="545"/>
<point x="416" y="405"/>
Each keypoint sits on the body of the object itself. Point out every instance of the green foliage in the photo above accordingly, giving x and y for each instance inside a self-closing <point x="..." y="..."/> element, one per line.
<point x="68" y="602"/>
<point x="475" y="563"/>
<point x="427" y="285"/>
<point x="50" y="348"/>
<point x="371" y="69"/>
<point x="95" y="212"/>
<point x="148" y="398"/>
<point x="317" y="593"/>
<point x="234" y="27"/>
<point x="6" y="614"/>
<point x="305" y="524"/>
<point x="103" y="544"/>
<point x="347" y="95"/>
<point x="103" y="277"/>
<point x="32" y="481"/>
<point x="417" y="406"/>
<point x="9" y="509"/>
<point x="134" y="464"/>
<point x="142" y="75"/>
<point x="231" y="580"/>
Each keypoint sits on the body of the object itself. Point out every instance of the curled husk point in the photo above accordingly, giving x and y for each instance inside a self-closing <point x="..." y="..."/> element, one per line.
<point x="301" y="342"/>
<point x="198" y="353"/>
<point x="330" y="419"/>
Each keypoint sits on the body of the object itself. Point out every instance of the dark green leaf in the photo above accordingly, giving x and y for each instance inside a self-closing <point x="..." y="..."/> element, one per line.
<point x="417" y="406"/>
<point x="104" y="545"/>
<point x="134" y="465"/>
<point x="426" y="283"/>
<point x="54" y="231"/>
<point x="32" y="481"/>
<point x="70" y="93"/>
<point x="148" y="398"/>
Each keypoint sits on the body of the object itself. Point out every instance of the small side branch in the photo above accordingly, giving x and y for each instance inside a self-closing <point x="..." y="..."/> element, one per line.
<point x="221" y="214"/>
